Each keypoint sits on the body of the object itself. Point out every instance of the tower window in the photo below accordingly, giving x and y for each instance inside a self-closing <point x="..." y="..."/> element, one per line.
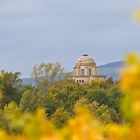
<point x="82" y="72"/>
<point x="82" y="81"/>
<point x="89" y="72"/>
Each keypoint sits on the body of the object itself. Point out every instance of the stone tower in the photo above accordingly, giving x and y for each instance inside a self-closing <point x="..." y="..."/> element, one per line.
<point x="85" y="70"/>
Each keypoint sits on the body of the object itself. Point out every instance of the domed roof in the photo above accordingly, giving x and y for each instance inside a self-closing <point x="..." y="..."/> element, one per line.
<point x="85" y="60"/>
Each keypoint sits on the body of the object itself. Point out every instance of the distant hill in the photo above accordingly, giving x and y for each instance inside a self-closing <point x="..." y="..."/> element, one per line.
<point x="118" y="64"/>
<point x="28" y="81"/>
<point x="109" y="69"/>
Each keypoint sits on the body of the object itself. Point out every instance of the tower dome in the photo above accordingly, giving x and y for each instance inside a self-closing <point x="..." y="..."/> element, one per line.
<point x="85" y="70"/>
<point x="85" y="60"/>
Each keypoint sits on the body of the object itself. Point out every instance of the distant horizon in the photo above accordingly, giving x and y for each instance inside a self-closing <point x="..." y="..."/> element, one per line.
<point x="74" y="64"/>
<point x="66" y="69"/>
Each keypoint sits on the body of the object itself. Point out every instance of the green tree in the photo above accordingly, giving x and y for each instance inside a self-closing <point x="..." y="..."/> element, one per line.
<point x="103" y="112"/>
<point x="60" y="117"/>
<point x="114" y="96"/>
<point x="10" y="108"/>
<point x="45" y="74"/>
<point x="25" y="102"/>
<point x="9" y="87"/>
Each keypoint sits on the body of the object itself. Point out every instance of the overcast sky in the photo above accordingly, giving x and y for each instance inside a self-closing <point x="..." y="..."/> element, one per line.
<point x="35" y="31"/>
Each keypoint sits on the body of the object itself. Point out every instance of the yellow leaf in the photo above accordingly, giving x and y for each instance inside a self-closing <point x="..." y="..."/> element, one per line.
<point x="137" y="15"/>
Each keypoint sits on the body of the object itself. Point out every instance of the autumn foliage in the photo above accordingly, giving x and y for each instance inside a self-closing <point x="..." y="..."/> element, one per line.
<point x="83" y="125"/>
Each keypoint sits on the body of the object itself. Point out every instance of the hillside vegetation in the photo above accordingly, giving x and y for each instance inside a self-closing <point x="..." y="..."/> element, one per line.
<point x="65" y="110"/>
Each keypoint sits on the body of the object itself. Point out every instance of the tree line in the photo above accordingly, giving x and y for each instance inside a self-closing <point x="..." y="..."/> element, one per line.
<point x="58" y="95"/>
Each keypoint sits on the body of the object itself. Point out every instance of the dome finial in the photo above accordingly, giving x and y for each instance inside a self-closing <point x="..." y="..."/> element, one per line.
<point x="85" y="54"/>
<point x="85" y="60"/>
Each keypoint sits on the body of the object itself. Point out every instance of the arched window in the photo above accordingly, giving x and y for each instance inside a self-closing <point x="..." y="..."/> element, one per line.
<point x="89" y="72"/>
<point x="82" y="72"/>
